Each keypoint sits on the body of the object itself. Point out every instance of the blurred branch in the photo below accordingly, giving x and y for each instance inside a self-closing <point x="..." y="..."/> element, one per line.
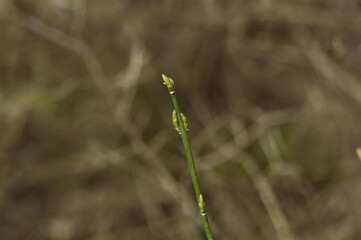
<point x="308" y="15"/>
<point x="129" y="81"/>
<point x="333" y="72"/>
<point x="66" y="41"/>
<point x="268" y="199"/>
<point x="253" y="133"/>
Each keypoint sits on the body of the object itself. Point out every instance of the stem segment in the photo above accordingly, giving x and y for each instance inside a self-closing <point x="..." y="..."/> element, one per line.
<point x="187" y="147"/>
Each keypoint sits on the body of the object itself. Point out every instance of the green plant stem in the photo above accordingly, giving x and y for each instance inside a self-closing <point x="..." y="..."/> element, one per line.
<point x="192" y="167"/>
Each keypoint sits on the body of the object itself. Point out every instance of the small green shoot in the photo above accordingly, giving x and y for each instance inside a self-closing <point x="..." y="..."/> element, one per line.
<point x="180" y="124"/>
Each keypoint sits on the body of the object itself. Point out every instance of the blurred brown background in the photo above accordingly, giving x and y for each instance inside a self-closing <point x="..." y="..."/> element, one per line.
<point x="271" y="90"/>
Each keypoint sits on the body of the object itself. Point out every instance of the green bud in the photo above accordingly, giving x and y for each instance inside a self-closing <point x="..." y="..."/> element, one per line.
<point x="184" y="120"/>
<point x="201" y="205"/>
<point x="169" y="83"/>
<point x="175" y="122"/>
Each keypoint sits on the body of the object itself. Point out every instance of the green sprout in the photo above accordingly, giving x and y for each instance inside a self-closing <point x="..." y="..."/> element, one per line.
<point x="201" y="204"/>
<point x="169" y="83"/>
<point x="180" y="124"/>
<point x="176" y="122"/>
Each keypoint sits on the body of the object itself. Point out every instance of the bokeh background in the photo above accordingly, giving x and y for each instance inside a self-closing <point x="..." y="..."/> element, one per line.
<point x="271" y="90"/>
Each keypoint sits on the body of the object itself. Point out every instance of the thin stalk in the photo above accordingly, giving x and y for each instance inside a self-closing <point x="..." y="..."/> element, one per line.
<point x="180" y="123"/>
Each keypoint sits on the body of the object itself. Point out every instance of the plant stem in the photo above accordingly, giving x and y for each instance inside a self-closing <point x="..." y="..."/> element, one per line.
<point x="189" y="155"/>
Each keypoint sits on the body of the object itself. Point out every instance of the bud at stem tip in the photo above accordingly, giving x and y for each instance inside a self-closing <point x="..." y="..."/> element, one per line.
<point x="169" y="83"/>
